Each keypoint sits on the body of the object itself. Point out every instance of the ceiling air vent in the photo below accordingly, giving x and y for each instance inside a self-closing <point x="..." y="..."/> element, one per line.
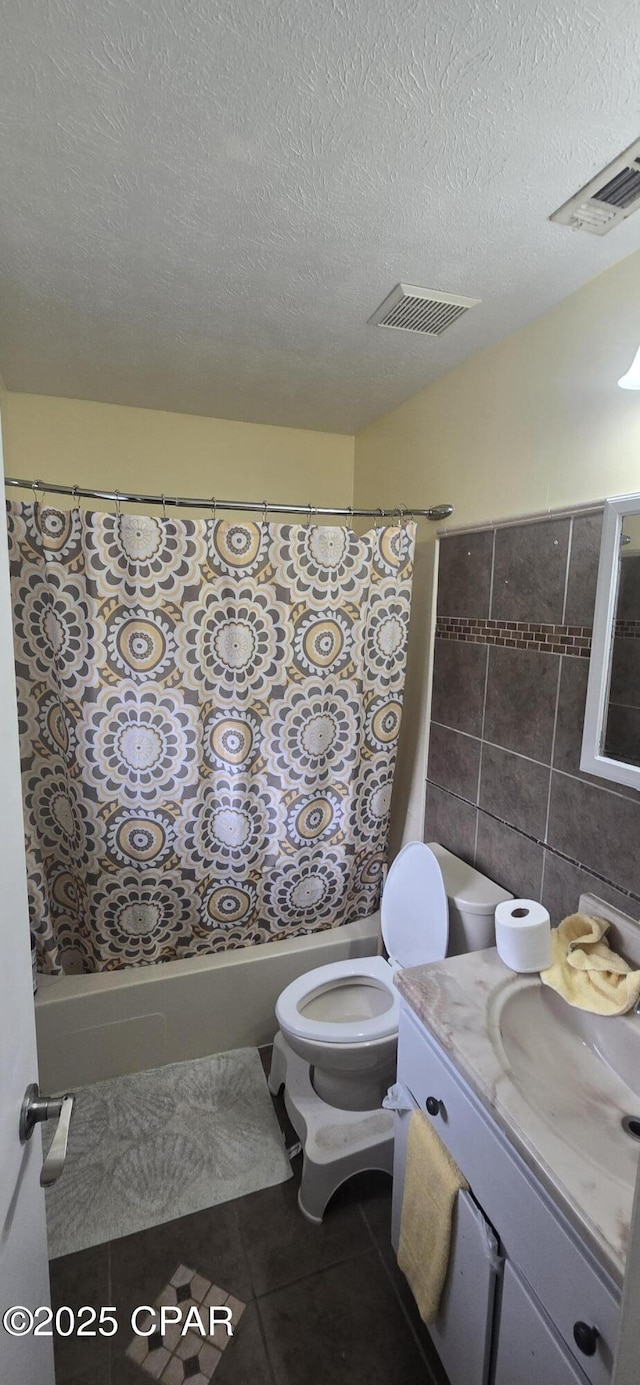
<point x="421" y="310"/>
<point x="610" y="197"/>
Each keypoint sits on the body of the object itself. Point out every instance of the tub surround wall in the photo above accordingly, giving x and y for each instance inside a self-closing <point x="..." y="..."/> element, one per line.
<point x="511" y="661"/>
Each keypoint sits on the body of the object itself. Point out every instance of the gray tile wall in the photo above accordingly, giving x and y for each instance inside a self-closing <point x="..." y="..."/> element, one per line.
<point x="504" y="788"/>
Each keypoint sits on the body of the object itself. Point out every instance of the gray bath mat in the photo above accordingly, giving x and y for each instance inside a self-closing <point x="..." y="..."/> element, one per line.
<point x="156" y="1145"/>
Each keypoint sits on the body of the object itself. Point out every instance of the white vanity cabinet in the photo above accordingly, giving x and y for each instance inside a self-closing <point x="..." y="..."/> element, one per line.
<point x="548" y="1287"/>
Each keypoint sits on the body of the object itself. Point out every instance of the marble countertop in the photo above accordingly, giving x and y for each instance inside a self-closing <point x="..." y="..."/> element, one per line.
<point x="456" y="1000"/>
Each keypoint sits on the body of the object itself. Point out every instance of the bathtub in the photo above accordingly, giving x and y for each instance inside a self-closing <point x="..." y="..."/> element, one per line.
<point x="104" y="1025"/>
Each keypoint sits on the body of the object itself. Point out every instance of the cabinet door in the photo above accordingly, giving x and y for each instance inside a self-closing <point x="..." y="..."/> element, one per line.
<point x="461" y="1333"/>
<point x="529" y="1350"/>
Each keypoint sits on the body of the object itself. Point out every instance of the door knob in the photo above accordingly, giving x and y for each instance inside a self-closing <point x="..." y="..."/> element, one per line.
<point x="37" y="1108"/>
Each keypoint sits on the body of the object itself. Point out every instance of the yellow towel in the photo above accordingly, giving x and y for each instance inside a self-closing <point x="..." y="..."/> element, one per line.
<point x="431" y="1184"/>
<point x="586" y="972"/>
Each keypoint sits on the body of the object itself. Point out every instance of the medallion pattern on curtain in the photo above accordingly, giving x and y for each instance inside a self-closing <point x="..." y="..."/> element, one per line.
<point x="209" y="714"/>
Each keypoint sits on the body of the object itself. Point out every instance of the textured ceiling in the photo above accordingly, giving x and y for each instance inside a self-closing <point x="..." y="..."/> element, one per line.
<point x="204" y="200"/>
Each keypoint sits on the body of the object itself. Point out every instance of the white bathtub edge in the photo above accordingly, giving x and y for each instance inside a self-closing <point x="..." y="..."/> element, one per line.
<point x="93" y="1027"/>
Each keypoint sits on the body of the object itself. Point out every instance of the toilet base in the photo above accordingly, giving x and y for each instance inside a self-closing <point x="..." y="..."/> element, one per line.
<point x="336" y="1144"/>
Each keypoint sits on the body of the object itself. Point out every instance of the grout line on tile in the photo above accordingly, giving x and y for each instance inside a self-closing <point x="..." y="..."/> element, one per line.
<point x="562" y="855"/>
<point x="342" y="1259"/>
<point x="265" y="1343"/>
<point x="566" y="574"/>
<point x="544" y="764"/>
<point x="443" y="726"/>
<point x="553" y="751"/>
<point x="484" y="713"/>
<point x="475" y="833"/>
<point x="605" y="786"/>
<point x="403" y="1309"/>
<point x="484" y="695"/>
<point x="493" y="565"/>
<point x="475" y="839"/>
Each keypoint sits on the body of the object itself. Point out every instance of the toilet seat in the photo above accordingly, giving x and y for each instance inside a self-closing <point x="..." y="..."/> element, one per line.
<point x="415" y="926"/>
<point x="338" y="1031"/>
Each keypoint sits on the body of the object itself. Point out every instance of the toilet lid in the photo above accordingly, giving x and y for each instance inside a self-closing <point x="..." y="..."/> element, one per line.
<point x="414" y="913"/>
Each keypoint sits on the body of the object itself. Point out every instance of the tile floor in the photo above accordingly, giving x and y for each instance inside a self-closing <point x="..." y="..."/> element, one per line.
<point x="322" y="1303"/>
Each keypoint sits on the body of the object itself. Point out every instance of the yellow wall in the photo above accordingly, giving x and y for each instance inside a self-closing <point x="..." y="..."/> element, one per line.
<point x="111" y="447"/>
<point x="534" y="422"/>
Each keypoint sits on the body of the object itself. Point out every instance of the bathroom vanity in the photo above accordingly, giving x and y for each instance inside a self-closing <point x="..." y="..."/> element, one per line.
<point x="529" y="1099"/>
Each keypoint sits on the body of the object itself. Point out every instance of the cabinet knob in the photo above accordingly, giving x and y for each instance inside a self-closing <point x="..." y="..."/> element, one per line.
<point x="433" y="1105"/>
<point x="586" y="1338"/>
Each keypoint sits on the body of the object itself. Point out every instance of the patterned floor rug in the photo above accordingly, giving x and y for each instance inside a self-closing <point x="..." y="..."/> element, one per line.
<point x="156" y="1145"/>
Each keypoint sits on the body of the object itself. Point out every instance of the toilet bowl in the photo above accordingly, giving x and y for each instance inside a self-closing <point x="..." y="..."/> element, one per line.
<point x="343" y="1019"/>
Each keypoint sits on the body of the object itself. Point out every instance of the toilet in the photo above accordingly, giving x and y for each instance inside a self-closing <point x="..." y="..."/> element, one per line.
<point x="335" y="1051"/>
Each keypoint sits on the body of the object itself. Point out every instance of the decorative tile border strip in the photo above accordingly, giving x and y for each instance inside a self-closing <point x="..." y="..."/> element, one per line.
<point x="518" y="634"/>
<point x="628" y="629"/>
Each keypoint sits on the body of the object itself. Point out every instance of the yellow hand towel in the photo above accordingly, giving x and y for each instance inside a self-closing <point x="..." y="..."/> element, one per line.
<point x="431" y="1185"/>
<point x="586" y="972"/>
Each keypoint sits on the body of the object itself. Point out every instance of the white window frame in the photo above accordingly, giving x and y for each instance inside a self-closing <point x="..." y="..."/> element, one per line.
<point x="592" y="760"/>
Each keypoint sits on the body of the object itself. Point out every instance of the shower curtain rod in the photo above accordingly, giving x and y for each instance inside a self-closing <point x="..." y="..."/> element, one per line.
<point x="264" y="507"/>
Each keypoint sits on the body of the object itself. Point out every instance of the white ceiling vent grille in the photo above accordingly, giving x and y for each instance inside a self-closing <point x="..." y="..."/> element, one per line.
<point x="610" y="197"/>
<point x="421" y="310"/>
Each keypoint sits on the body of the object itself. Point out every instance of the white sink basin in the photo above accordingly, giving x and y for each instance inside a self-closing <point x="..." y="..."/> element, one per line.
<point x="579" y="1072"/>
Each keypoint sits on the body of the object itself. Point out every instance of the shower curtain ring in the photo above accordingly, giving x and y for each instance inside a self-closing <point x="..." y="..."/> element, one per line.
<point x="214" y="508"/>
<point x="349" y="523"/>
<point x="74" y="494"/>
<point x="309" y="509"/>
<point x="35" y="486"/>
<point x="117" y="500"/>
<point x="265" y="512"/>
<point x="403" y="516"/>
<point x="164" y="507"/>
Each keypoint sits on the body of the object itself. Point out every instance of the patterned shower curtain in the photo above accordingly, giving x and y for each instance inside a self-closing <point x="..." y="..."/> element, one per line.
<point x="209" y="714"/>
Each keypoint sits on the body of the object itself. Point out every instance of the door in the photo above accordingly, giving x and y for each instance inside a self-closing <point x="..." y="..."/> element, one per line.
<point x="24" y="1272"/>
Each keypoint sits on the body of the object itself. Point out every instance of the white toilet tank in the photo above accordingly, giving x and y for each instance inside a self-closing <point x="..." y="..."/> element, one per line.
<point x="472" y="903"/>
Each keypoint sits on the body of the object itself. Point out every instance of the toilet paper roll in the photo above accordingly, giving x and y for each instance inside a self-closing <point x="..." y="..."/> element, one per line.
<point x="523" y="934"/>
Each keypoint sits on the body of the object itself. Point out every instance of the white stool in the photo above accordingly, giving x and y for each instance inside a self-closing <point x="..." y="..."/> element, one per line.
<point x="335" y="1144"/>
